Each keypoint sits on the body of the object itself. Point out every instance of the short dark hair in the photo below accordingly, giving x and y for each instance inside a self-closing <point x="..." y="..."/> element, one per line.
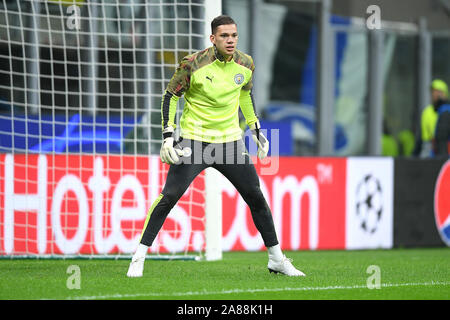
<point x="221" y="20"/>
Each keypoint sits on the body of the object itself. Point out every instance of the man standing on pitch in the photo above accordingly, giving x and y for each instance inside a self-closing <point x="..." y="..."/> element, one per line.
<point x="214" y="82"/>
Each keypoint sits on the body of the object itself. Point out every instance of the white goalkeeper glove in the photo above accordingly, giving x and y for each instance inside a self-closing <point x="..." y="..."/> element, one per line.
<point x="260" y="140"/>
<point x="168" y="153"/>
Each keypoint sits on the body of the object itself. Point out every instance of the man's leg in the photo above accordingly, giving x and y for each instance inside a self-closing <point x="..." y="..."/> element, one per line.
<point x="245" y="180"/>
<point x="243" y="176"/>
<point x="178" y="180"/>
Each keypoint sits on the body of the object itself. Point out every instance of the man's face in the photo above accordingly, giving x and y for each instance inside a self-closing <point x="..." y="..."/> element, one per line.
<point x="436" y="95"/>
<point x="225" y="39"/>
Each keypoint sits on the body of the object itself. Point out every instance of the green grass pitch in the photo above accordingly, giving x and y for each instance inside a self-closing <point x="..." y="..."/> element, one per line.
<point x="402" y="273"/>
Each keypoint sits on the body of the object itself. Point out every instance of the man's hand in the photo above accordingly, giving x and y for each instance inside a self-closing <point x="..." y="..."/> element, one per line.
<point x="260" y="140"/>
<point x="168" y="153"/>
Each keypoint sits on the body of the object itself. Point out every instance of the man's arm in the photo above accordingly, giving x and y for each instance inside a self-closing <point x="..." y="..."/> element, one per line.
<point x="168" y="110"/>
<point x="248" y="110"/>
<point x="177" y="86"/>
<point x="246" y="101"/>
<point x="248" y="107"/>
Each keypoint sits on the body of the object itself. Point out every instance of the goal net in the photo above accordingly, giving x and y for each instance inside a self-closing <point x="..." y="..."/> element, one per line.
<point x="80" y="126"/>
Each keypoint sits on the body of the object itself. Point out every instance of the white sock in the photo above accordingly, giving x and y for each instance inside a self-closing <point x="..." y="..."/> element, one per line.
<point x="275" y="253"/>
<point x="141" y="250"/>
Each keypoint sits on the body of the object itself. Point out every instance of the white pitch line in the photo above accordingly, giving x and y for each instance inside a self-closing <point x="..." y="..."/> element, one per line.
<point x="257" y="290"/>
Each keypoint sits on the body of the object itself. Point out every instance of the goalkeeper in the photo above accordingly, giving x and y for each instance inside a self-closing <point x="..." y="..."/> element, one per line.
<point x="214" y="82"/>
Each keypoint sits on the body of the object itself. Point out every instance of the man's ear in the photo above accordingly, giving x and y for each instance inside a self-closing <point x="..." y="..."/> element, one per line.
<point x="212" y="38"/>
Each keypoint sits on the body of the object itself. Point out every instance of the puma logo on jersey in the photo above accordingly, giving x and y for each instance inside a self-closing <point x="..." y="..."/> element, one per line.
<point x="210" y="79"/>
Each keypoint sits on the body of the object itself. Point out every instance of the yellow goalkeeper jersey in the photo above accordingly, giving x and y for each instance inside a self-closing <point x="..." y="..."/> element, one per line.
<point x="213" y="90"/>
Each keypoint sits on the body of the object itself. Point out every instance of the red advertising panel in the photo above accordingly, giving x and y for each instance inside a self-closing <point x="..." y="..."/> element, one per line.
<point x="81" y="204"/>
<point x="307" y="199"/>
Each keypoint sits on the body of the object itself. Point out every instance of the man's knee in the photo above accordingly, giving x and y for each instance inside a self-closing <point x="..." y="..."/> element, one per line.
<point x="255" y="198"/>
<point x="170" y="198"/>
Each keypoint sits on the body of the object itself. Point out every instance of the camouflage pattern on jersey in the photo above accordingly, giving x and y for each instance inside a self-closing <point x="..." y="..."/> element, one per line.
<point x="246" y="61"/>
<point x="189" y="64"/>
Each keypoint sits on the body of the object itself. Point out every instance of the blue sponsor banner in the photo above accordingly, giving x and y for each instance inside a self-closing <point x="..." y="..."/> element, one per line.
<point x="279" y="134"/>
<point x="59" y="133"/>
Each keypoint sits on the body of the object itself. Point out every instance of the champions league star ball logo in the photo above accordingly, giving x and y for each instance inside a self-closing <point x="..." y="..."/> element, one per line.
<point x="369" y="206"/>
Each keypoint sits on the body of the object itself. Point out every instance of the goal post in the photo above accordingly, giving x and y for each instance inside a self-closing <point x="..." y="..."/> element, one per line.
<point x="213" y="215"/>
<point x="81" y="83"/>
<point x="213" y="201"/>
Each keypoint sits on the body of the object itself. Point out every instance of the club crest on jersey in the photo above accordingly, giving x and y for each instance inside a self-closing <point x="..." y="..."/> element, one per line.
<point x="239" y="78"/>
